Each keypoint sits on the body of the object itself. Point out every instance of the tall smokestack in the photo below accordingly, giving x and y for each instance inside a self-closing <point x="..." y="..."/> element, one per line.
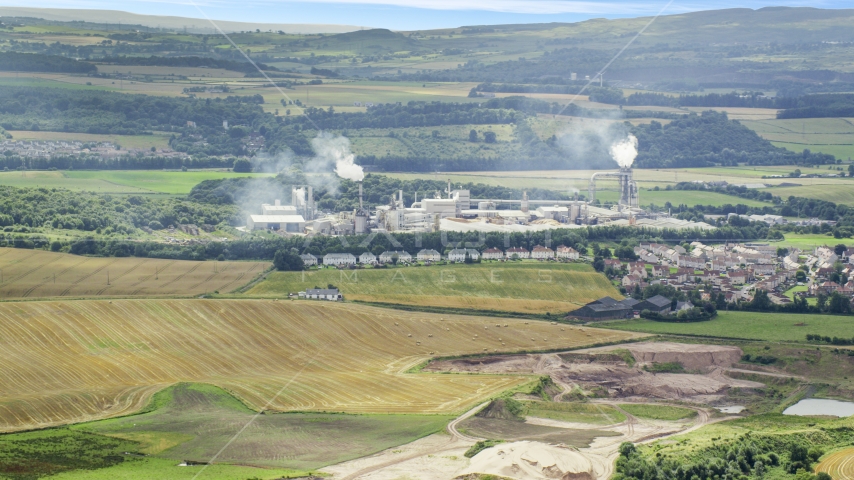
<point x="309" y="204"/>
<point x="360" y="195"/>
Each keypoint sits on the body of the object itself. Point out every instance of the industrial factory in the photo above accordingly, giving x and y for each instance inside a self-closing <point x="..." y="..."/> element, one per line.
<point x="456" y="210"/>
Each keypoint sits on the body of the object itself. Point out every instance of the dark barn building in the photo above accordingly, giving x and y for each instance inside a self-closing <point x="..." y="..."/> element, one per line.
<point x="606" y="309"/>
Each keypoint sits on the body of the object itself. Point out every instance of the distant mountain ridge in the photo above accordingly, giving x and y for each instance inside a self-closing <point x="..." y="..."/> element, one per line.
<point x="193" y="25"/>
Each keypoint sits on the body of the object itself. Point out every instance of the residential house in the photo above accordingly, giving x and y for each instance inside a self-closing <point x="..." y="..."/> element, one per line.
<point x="390" y="256"/>
<point x="493" y="254"/>
<point x="737" y="277"/>
<point x="308" y="259"/>
<point x="518" y="252"/>
<point x="459" y="254"/>
<point x="568" y="253"/>
<point x="367" y="258"/>
<point x="542" y="253"/>
<point x="760" y="269"/>
<point x="428" y="255"/>
<point x="338" y="259"/>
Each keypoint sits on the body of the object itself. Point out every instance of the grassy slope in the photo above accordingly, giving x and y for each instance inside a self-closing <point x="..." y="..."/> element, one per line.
<point x="528" y="287"/>
<point x="750" y="325"/>
<point x="312" y="440"/>
<point x="659" y="412"/>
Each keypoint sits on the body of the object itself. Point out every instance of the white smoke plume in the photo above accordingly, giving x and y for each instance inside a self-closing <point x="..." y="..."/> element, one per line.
<point x="625" y="151"/>
<point x="330" y="149"/>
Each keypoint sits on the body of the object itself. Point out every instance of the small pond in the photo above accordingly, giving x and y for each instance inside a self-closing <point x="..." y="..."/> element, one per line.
<point x="821" y="406"/>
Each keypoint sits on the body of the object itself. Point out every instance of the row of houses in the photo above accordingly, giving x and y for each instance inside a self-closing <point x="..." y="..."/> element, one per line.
<point x="429" y="255"/>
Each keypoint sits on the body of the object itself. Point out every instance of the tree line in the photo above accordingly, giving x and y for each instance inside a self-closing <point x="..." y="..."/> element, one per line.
<point x="36" y="62"/>
<point x="185" y="61"/>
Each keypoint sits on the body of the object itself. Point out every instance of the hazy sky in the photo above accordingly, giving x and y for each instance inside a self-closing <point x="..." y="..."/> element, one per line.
<point x="416" y="14"/>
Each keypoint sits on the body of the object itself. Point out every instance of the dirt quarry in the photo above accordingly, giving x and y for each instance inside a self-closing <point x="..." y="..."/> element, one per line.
<point x="532" y="460"/>
<point x="692" y="357"/>
<point x="611" y="371"/>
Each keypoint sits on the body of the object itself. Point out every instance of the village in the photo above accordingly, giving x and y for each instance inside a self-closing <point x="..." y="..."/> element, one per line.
<point x="47" y="149"/>
<point x="734" y="270"/>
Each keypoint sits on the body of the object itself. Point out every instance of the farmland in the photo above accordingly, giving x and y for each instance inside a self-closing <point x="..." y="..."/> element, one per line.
<point x="827" y="135"/>
<point x="170" y="430"/>
<point x="118" y="181"/>
<point x="125" y="141"/>
<point x="749" y="325"/>
<point x="67" y="362"/>
<point x="524" y="287"/>
<point x="839" y="465"/>
<point x="40" y="274"/>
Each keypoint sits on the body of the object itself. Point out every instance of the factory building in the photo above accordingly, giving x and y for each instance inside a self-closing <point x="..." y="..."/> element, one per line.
<point x="285" y="223"/>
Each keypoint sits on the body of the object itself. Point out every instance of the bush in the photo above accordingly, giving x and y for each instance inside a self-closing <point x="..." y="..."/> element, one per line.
<point x="155" y="225"/>
<point x="242" y="165"/>
<point x="287" y="262"/>
<point x="481" y="446"/>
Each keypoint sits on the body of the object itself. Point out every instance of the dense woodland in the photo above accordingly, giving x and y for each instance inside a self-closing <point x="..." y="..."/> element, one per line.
<point x="712" y="139"/>
<point x="27" y="62"/>
<point x="25" y="209"/>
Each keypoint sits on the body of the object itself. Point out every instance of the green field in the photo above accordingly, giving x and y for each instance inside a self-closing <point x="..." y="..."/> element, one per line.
<point x="834" y="136"/>
<point x="837" y="193"/>
<point x="117" y="181"/>
<point x="808" y="242"/>
<point x="525" y="287"/>
<point x="773" y="327"/>
<point x="144" y="142"/>
<point x="658" y="412"/>
<point x="193" y="422"/>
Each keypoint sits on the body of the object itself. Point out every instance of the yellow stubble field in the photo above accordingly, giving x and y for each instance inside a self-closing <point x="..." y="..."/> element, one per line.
<point x="40" y="274"/>
<point x="73" y="361"/>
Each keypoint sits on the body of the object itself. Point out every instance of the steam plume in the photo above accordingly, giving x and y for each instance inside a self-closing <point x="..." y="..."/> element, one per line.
<point x="625" y="151"/>
<point x="337" y="150"/>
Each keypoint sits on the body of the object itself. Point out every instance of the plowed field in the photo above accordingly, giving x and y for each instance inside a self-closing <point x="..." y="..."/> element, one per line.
<point x="839" y="465"/>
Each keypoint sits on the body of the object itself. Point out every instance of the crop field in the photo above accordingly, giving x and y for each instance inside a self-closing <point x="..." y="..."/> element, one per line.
<point x="451" y="142"/>
<point x="827" y="135"/>
<point x="839" y="465"/>
<point x="39" y="274"/>
<point x="772" y="327"/>
<point x="118" y="181"/>
<point x="67" y="362"/>
<point x="125" y="141"/>
<point x="527" y="287"/>
<point x="839" y="193"/>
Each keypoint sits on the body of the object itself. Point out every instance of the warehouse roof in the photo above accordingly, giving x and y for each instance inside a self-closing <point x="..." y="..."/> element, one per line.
<point x="277" y="218"/>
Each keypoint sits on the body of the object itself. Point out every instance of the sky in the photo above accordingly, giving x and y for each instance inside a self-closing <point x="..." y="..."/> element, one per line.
<point x="417" y="14"/>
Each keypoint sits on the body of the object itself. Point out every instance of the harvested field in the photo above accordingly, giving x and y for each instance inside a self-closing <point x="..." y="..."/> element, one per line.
<point x="527" y="287"/>
<point x="839" y="465"/>
<point x="69" y="362"/>
<point x="39" y="274"/>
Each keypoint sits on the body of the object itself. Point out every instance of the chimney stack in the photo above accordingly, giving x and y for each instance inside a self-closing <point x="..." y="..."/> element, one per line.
<point x="360" y="194"/>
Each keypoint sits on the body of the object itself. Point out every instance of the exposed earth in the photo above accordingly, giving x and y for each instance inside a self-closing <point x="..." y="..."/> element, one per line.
<point x="565" y="450"/>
